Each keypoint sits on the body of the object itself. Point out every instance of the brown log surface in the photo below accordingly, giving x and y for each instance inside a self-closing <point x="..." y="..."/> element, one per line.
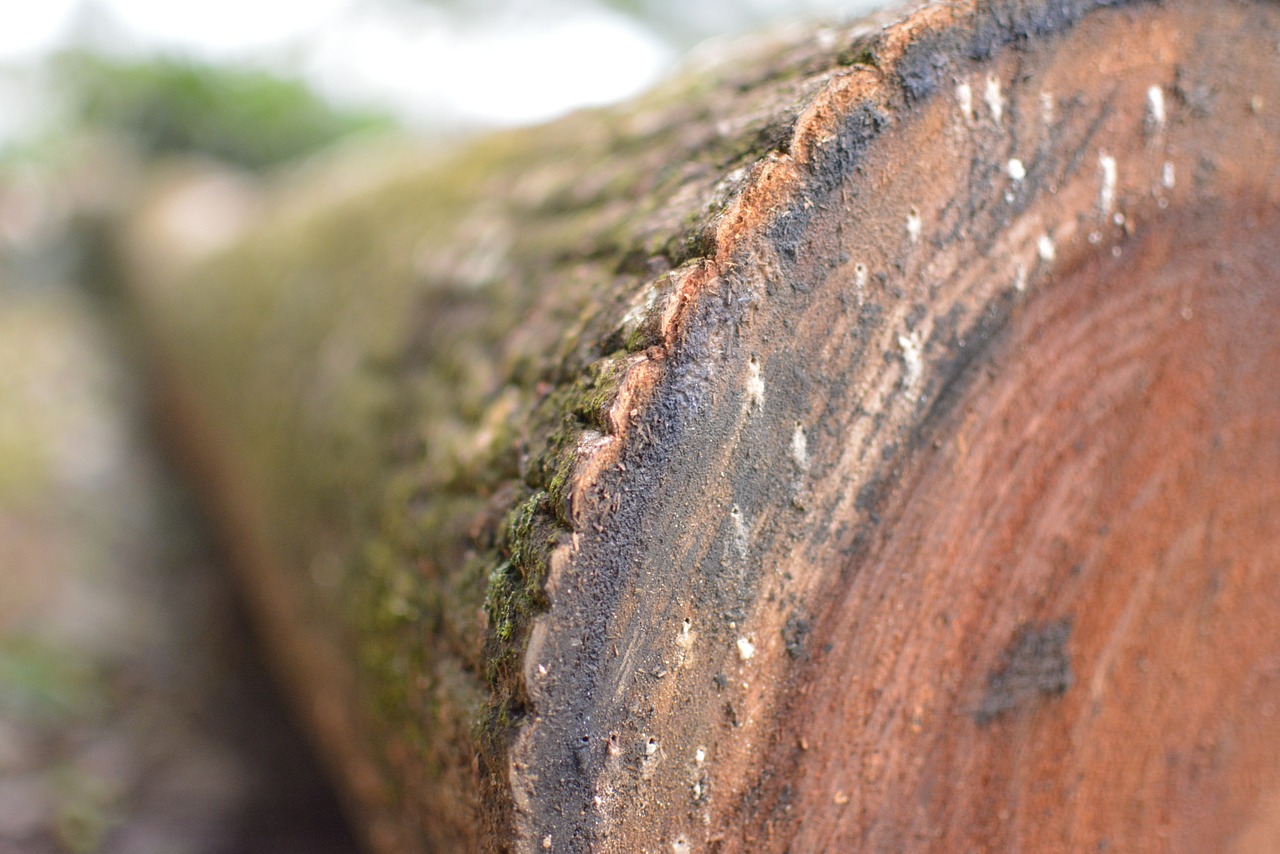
<point x="873" y="447"/>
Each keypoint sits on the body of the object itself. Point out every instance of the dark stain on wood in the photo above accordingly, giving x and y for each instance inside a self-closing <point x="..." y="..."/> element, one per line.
<point x="1036" y="664"/>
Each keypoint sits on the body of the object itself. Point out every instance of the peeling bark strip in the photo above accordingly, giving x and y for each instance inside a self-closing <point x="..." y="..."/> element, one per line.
<point x="868" y="444"/>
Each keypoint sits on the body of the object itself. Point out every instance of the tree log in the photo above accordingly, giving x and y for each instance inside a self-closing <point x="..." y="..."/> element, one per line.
<point x="868" y="443"/>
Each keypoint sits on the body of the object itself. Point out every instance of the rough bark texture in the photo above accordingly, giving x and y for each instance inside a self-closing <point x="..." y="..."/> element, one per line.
<point x="866" y="444"/>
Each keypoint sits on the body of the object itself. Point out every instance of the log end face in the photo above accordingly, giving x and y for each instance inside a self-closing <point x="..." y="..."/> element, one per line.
<point x="907" y="510"/>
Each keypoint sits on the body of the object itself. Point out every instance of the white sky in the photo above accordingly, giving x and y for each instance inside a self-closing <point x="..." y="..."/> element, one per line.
<point x="519" y="61"/>
<point x="223" y="26"/>
<point x="29" y="29"/>
<point x="431" y="67"/>
<point x="504" y="69"/>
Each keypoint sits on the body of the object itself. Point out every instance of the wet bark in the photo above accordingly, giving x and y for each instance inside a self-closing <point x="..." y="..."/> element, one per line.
<point x="867" y="442"/>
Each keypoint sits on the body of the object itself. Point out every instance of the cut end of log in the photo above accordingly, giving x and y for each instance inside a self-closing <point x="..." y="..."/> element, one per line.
<point x="930" y="460"/>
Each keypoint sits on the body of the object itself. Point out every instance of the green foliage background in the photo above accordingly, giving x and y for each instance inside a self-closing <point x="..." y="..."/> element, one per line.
<point x="246" y="117"/>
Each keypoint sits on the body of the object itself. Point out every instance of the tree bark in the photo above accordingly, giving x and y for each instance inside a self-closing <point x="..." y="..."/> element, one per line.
<point x="868" y="443"/>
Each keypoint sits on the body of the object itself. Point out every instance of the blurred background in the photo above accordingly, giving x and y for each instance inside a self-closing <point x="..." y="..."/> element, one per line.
<point x="135" y="713"/>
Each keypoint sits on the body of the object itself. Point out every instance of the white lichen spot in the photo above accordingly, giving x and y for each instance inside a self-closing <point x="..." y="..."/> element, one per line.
<point x="914" y="225"/>
<point x="1107" y="195"/>
<point x="739" y="532"/>
<point x="681" y="845"/>
<point x="1046" y="249"/>
<point x="699" y="755"/>
<point x="800" y="448"/>
<point x="1017" y="171"/>
<point x="685" y="638"/>
<point x="640" y="310"/>
<point x="994" y="98"/>
<point x="755" y="384"/>
<point x="746" y="649"/>
<point x="860" y="275"/>
<point x="1168" y="176"/>
<point x="1156" y="115"/>
<point x="964" y="96"/>
<point x="1019" y="276"/>
<point x="912" y="360"/>
<point x="1048" y="109"/>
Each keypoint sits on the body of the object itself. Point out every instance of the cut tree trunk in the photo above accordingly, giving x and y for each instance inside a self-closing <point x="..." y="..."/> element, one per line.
<point x="871" y="442"/>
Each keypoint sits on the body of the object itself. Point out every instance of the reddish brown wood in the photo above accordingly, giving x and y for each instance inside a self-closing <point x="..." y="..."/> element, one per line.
<point x="970" y="544"/>
<point x="1075" y="643"/>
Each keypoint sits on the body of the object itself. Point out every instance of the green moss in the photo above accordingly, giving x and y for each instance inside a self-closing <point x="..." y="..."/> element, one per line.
<point x="520" y="530"/>
<point x="515" y="593"/>
<point x="595" y="392"/>
<point x="41" y="681"/>
<point x="859" y="54"/>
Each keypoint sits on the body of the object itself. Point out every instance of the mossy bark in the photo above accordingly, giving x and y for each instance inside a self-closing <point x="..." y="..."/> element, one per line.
<point x="549" y="459"/>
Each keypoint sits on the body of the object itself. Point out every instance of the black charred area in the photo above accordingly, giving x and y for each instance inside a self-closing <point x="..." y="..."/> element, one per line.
<point x="569" y="764"/>
<point x="1036" y="664"/>
<point x="929" y="61"/>
<point x="965" y="354"/>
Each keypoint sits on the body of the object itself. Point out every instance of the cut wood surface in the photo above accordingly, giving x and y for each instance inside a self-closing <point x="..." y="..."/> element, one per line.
<point x="868" y="442"/>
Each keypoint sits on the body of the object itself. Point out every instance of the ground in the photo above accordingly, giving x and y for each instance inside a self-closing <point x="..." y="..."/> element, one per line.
<point x="135" y="714"/>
